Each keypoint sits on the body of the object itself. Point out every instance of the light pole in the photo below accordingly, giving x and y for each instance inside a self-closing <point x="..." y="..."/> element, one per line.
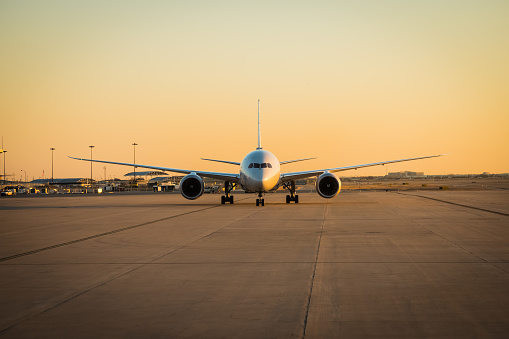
<point x="105" y="181"/>
<point x="25" y="176"/>
<point x="91" y="147"/>
<point x="134" y="145"/>
<point x="4" y="151"/>
<point x="52" y="149"/>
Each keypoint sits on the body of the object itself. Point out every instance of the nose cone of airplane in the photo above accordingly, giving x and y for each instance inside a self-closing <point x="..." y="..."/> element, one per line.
<point x="267" y="185"/>
<point x="259" y="181"/>
<point x="268" y="181"/>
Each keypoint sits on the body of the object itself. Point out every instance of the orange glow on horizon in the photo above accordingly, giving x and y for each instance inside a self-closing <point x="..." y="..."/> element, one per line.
<point x="345" y="82"/>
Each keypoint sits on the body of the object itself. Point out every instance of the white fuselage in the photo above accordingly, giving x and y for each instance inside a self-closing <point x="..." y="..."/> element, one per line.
<point x="259" y="171"/>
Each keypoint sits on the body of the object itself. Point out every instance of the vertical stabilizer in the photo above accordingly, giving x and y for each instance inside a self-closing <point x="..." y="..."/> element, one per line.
<point x="259" y="136"/>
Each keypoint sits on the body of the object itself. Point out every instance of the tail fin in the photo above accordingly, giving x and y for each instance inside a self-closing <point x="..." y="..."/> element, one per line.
<point x="259" y="136"/>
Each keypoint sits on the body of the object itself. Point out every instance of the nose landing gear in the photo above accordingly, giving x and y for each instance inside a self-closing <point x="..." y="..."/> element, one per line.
<point x="290" y="199"/>
<point x="260" y="200"/>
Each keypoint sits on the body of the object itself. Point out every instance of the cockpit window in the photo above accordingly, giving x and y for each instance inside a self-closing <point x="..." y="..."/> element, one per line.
<point x="262" y="165"/>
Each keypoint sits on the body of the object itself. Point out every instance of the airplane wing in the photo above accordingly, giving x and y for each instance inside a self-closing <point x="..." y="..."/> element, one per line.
<point x="305" y="174"/>
<point x="215" y="175"/>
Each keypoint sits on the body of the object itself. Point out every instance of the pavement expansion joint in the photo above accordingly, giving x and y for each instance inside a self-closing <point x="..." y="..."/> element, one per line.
<point x="100" y="235"/>
<point x="137" y="265"/>
<point x="211" y="263"/>
<point x="482" y="260"/>
<point x="456" y="204"/>
<point x="65" y="300"/>
<point x="314" y="273"/>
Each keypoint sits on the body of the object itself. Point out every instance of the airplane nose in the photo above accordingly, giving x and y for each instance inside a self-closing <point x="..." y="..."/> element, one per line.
<point x="267" y="185"/>
<point x="260" y="183"/>
<point x="262" y="186"/>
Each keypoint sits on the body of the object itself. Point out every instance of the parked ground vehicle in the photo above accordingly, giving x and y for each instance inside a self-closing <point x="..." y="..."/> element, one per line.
<point x="212" y="189"/>
<point x="7" y="192"/>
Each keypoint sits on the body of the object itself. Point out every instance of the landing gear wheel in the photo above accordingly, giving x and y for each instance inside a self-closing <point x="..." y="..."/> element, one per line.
<point x="257" y="202"/>
<point x="263" y="202"/>
<point x="292" y="196"/>
<point x="228" y="187"/>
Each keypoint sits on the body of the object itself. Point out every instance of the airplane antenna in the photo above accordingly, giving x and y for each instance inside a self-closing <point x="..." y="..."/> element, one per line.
<point x="259" y="136"/>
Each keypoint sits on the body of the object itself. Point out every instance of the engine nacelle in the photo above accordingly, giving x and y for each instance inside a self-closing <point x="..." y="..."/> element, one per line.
<point x="328" y="185"/>
<point x="191" y="186"/>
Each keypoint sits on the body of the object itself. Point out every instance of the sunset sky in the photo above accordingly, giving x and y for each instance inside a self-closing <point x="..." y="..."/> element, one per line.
<point x="349" y="82"/>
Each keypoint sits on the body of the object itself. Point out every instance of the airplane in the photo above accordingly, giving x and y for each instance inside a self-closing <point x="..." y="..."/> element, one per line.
<point x="260" y="172"/>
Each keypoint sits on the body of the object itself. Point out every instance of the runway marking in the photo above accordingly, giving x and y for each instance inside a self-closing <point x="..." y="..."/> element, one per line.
<point x="454" y="203"/>
<point x="314" y="272"/>
<point x="101" y="234"/>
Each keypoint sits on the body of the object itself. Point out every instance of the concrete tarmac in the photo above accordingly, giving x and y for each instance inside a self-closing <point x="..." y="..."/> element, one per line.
<point x="360" y="265"/>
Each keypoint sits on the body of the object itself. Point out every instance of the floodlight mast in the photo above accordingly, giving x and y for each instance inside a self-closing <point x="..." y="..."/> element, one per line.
<point x="91" y="185"/>
<point x="134" y="145"/>
<point x="52" y="149"/>
<point x="3" y="151"/>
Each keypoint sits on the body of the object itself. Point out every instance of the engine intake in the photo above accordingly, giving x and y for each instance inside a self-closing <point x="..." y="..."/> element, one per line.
<point x="191" y="186"/>
<point x="328" y="185"/>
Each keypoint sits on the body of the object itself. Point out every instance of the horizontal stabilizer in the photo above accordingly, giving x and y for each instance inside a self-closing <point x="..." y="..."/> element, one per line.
<point x="225" y="161"/>
<point x="290" y="161"/>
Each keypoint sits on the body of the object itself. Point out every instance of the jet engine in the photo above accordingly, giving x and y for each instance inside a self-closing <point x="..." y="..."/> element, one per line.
<point x="328" y="185"/>
<point x="191" y="186"/>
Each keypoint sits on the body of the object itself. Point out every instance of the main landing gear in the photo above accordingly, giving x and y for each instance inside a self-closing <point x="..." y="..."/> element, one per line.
<point x="292" y="196"/>
<point x="228" y="187"/>
<point x="260" y="200"/>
